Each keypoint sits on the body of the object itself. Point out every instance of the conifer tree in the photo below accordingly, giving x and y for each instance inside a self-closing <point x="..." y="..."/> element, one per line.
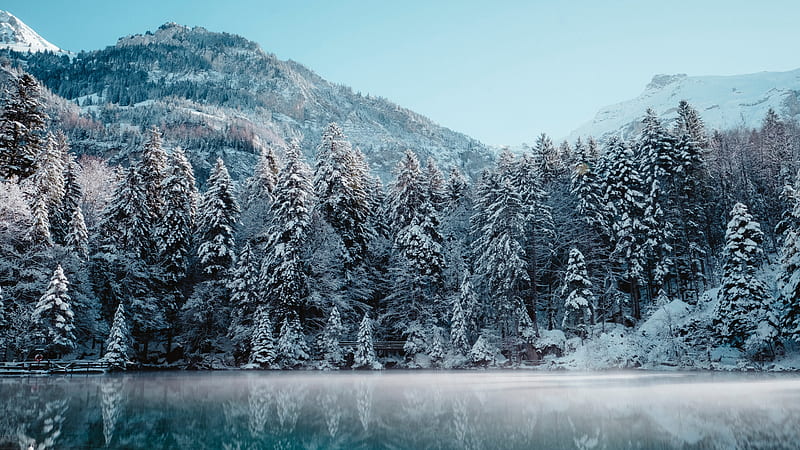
<point x="257" y="196"/>
<point x="458" y="330"/>
<point x="216" y="217"/>
<point x="292" y="348"/>
<point x="579" y="299"/>
<point x="742" y="296"/>
<point x="22" y="128"/>
<point x="332" y="352"/>
<point x="789" y="275"/>
<point x="284" y="273"/>
<point x="482" y="353"/>
<point x="118" y="352"/>
<point x="179" y="207"/>
<point x="245" y="298"/>
<point x="435" y="185"/>
<point x="364" y="357"/>
<point x="407" y="192"/>
<point x="53" y="318"/>
<point x="263" y="351"/>
<point x="77" y="239"/>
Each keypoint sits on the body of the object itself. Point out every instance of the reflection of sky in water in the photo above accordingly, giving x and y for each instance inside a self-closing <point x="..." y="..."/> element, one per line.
<point x="240" y="410"/>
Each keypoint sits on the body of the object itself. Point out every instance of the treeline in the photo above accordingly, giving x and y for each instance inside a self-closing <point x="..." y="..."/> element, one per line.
<point x="280" y="270"/>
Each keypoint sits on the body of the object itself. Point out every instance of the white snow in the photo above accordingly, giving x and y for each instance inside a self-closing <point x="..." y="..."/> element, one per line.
<point x="724" y="102"/>
<point x="17" y="36"/>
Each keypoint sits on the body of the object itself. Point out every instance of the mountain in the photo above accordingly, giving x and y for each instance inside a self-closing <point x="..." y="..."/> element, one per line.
<point x="218" y="94"/>
<point x="724" y="102"/>
<point x="15" y="35"/>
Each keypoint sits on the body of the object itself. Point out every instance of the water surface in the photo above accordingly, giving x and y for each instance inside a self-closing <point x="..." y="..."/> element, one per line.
<point x="312" y="410"/>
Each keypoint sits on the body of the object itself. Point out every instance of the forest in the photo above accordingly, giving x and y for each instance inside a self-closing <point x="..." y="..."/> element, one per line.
<point x="317" y="264"/>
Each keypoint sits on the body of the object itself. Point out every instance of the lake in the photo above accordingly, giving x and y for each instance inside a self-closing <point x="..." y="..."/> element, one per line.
<point x="396" y="409"/>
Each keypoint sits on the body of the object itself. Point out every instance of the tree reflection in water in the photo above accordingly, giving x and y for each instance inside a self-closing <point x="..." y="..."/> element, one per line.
<point x="400" y="410"/>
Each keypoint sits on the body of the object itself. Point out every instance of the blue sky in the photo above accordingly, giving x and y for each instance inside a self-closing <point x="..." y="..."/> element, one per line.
<point x="502" y="71"/>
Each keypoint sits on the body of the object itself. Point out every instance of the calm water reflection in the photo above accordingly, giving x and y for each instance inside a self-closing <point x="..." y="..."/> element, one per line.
<point x="401" y="410"/>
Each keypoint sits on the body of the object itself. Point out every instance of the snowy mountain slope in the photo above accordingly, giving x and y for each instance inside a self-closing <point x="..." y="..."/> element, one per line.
<point x="218" y="94"/>
<point x="724" y="102"/>
<point x="16" y="36"/>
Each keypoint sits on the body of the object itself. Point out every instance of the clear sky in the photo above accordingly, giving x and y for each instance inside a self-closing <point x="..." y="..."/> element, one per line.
<point x="500" y="71"/>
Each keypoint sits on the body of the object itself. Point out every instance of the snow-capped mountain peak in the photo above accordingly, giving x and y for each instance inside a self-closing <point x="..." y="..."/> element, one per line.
<point x="724" y="102"/>
<point x="17" y="36"/>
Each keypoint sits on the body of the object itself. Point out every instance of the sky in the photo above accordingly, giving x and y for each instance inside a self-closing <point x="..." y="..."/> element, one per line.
<point x="500" y="71"/>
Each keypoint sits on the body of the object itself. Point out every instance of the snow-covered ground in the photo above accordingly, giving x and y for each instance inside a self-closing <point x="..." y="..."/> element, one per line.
<point x="17" y="36"/>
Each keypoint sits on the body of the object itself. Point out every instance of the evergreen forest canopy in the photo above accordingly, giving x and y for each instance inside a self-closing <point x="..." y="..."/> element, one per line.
<point x="320" y="265"/>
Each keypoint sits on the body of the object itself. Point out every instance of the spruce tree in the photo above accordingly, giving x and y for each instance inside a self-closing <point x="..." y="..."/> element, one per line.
<point x="458" y="330"/>
<point x="154" y="172"/>
<point x="742" y="296"/>
<point x="22" y="128"/>
<point x="364" y="357"/>
<point x="292" y="348"/>
<point x="257" y="195"/>
<point x="52" y="317"/>
<point x="118" y="352"/>
<point x="77" y="239"/>
<point x="216" y="218"/>
<point x="179" y="208"/>
<point x="284" y="273"/>
<point x="262" y="351"/>
<point x="332" y="352"/>
<point x="579" y="299"/>
<point x="789" y="275"/>
<point x="406" y="193"/>
<point x="245" y="299"/>
<point x="435" y="185"/>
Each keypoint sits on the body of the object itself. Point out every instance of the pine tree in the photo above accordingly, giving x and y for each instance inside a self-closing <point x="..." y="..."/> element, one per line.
<point x="332" y="352"/>
<point x="77" y="239"/>
<point x="483" y="352"/>
<point x="292" y="348"/>
<point x="179" y="207"/>
<point x="340" y="185"/>
<point x="406" y="193"/>
<point x="436" y="350"/>
<point x="579" y="299"/>
<point x="742" y="296"/>
<point x="53" y="317"/>
<point x="245" y="299"/>
<point x="257" y="195"/>
<point x="500" y="255"/>
<point x="435" y="186"/>
<point x="216" y="217"/>
<point x="364" y="357"/>
<point x="154" y="172"/>
<point x="125" y="225"/>
<point x="458" y="330"/>
<point x="789" y="275"/>
<point x="284" y="273"/>
<point x="263" y="352"/>
<point x="22" y="129"/>
<point x="118" y="352"/>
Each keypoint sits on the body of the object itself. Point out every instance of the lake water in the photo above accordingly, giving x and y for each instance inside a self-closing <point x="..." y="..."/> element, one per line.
<point x="312" y="410"/>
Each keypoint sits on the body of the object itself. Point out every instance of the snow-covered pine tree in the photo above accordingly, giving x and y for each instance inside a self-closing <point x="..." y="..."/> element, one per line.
<point x="458" y="330"/>
<point x="257" y="195"/>
<point x="625" y="200"/>
<point x="455" y="228"/>
<point x="53" y="318"/>
<point x="22" y="128"/>
<point x="742" y="296"/>
<point x="77" y="239"/>
<point x="217" y="213"/>
<point x="125" y="224"/>
<point x="340" y="186"/>
<point x="364" y="357"/>
<point x="436" y="351"/>
<point x="501" y="261"/>
<point x="73" y="192"/>
<point x="332" y="352"/>
<point x="789" y="275"/>
<point x="546" y="158"/>
<point x="154" y="171"/>
<point x="579" y="301"/>
<point x="284" y="272"/>
<point x="658" y="158"/>
<point x="435" y="185"/>
<point x="118" y="351"/>
<point x="245" y="300"/>
<point x="689" y="122"/>
<point x="292" y="348"/>
<point x="483" y="353"/>
<point x="406" y="193"/>
<point x="263" y="351"/>
<point x="178" y="209"/>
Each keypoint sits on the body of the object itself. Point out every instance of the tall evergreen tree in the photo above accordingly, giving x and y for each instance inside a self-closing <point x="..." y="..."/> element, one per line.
<point x="118" y="352"/>
<point x="284" y="273"/>
<point x="53" y="318"/>
<point x="179" y="207"/>
<point x="789" y="275"/>
<point x="216" y="218"/>
<point x="364" y="357"/>
<point x="292" y="348"/>
<point x="262" y="352"/>
<point x="742" y="296"/>
<point x="332" y="352"/>
<point x="579" y="298"/>
<point x="245" y="299"/>
<point x="406" y="193"/>
<point x="77" y="239"/>
<point x="22" y="128"/>
<point x="257" y="195"/>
